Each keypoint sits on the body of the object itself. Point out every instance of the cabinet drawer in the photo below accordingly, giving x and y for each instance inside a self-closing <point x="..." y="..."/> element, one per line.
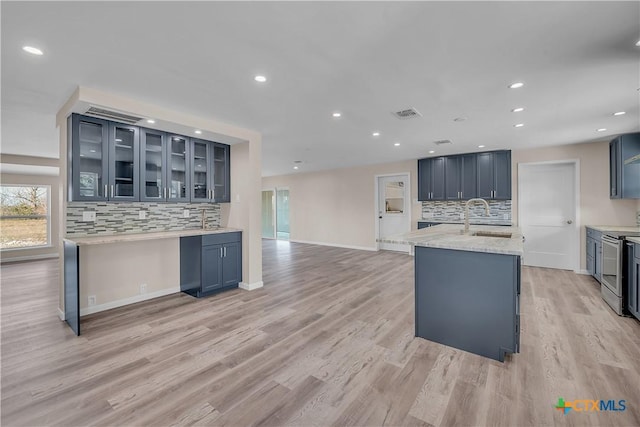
<point x="216" y="239"/>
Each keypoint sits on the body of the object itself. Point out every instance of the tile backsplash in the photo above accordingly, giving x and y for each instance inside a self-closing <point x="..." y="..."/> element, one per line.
<point x="499" y="210"/>
<point x="124" y="217"/>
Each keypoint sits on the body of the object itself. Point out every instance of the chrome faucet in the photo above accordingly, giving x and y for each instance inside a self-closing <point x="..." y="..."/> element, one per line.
<point x="204" y="219"/>
<point x="466" y="212"/>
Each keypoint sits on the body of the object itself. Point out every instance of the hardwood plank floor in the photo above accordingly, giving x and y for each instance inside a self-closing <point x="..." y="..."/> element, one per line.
<point x="327" y="341"/>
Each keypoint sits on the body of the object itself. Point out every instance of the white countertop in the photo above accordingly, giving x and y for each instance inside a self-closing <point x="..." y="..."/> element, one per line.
<point x="449" y="236"/>
<point x="615" y="228"/>
<point x="476" y="220"/>
<point x="104" y="239"/>
<point x="634" y="239"/>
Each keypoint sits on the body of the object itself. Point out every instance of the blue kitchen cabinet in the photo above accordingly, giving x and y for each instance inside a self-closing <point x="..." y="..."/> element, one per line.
<point x="494" y="175"/>
<point x="633" y="278"/>
<point x="460" y="177"/>
<point x="210" y="263"/>
<point x="210" y="171"/>
<point x="594" y="253"/>
<point x="624" y="167"/>
<point x="431" y="179"/>
<point x="163" y="167"/>
<point x="88" y="171"/>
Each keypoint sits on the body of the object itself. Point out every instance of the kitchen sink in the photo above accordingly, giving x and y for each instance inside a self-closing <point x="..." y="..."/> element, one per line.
<point x="501" y="234"/>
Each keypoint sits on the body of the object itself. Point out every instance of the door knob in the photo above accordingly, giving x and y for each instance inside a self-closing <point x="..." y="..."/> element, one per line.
<point x="569" y="221"/>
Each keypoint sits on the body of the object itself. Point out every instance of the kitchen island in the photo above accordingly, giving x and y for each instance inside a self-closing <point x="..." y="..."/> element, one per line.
<point x="467" y="287"/>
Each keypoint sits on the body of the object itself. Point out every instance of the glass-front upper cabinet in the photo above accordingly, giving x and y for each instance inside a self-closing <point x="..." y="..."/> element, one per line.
<point x="88" y="180"/>
<point x="178" y="181"/>
<point x="164" y="167"/>
<point x="153" y="148"/>
<point x="201" y="190"/>
<point x="123" y="162"/>
<point x="221" y="160"/>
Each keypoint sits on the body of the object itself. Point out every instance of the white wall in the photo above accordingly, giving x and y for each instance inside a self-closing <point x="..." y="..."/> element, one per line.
<point x="596" y="208"/>
<point x="337" y="207"/>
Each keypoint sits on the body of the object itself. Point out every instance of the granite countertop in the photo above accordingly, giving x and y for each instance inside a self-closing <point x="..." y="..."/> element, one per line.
<point x="634" y="239"/>
<point x="102" y="239"/>
<point x="449" y="236"/>
<point x="615" y="228"/>
<point x="476" y="220"/>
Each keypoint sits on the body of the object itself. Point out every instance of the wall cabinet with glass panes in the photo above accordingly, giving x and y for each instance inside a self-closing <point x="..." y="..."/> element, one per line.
<point x="115" y="162"/>
<point x="163" y="165"/>
<point x="209" y="171"/>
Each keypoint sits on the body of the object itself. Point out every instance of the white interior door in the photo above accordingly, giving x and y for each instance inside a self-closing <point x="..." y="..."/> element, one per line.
<point x="547" y="214"/>
<point x="393" y="209"/>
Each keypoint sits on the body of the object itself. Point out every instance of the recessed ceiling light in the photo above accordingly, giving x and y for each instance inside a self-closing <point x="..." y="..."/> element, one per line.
<point x="516" y="85"/>
<point x="620" y="113"/>
<point x="601" y="130"/>
<point x="480" y="146"/>
<point x="32" y="50"/>
<point x="397" y="144"/>
<point x="198" y="131"/>
<point x="517" y="110"/>
<point x="519" y="125"/>
<point x="260" y="79"/>
<point x="151" y="121"/>
<point x="337" y="114"/>
<point x="296" y="167"/>
<point x="431" y="151"/>
<point x="638" y="43"/>
<point x="376" y="134"/>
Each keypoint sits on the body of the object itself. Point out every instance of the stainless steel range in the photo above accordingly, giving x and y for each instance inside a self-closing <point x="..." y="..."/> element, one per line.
<point x="613" y="287"/>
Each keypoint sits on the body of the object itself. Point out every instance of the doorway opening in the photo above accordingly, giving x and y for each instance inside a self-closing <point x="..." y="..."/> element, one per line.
<point x="275" y="214"/>
<point x="393" y="209"/>
<point x="548" y="214"/>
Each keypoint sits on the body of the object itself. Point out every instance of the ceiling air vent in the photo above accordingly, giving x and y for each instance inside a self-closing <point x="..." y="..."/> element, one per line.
<point x="408" y="113"/>
<point x="443" y="142"/>
<point x="113" y="115"/>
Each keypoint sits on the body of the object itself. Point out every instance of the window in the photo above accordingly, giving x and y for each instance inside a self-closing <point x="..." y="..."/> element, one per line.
<point x="24" y="216"/>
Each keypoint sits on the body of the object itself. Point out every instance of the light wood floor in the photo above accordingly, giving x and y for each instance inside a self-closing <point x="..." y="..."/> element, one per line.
<point x="327" y="341"/>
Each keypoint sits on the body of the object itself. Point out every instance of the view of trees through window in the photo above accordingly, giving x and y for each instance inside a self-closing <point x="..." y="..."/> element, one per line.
<point x="24" y="216"/>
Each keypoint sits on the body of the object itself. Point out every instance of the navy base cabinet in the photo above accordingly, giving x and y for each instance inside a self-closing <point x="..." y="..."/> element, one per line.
<point x="475" y="308"/>
<point x="633" y="278"/>
<point x="210" y="263"/>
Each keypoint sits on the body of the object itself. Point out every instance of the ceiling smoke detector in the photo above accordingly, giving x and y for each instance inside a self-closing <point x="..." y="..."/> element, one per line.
<point x="443" y="142"/>
<point x="408" y="113"/>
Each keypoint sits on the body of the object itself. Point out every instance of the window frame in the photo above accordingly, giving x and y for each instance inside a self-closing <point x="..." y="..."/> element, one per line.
<point x="47" y="216"/>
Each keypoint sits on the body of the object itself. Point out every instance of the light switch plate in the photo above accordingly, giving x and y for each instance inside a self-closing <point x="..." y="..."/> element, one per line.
<point x="89" y="216"/>
<point x="461" y="215"/>
<point x="91" y="300"/>
<point x="142" y="214"/>
<point x="185" y="213"/>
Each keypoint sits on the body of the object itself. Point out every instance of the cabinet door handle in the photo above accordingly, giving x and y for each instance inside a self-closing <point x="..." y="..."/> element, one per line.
<point x="106" y="193"/>
<point x="225" y="251"/>
<point x="220" y="252"/>
<point x="112" y="191"/>
<point x="213" y="195"/>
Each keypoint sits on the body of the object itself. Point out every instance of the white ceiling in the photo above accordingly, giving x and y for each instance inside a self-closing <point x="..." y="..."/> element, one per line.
<point x="578" y="61"/>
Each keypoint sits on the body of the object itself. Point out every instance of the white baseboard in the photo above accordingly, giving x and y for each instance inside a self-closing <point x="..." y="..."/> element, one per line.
<point x="336" y="245"/>
<point x="251" y="286"/>
<point x="28" y="258"/>
<point x="127" y="301"/>
<point x="61" y="315"/>
<point x="585" y="272"/>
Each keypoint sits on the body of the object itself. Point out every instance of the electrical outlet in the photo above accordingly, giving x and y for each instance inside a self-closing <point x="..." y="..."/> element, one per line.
<point x="92" y="300"/>
<point x="142" y="214"/>
<point x="89" y="216"/>
<point x="143" y="288"/>
<point x="461" y="215"/>
<point x="186" y="213"/>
